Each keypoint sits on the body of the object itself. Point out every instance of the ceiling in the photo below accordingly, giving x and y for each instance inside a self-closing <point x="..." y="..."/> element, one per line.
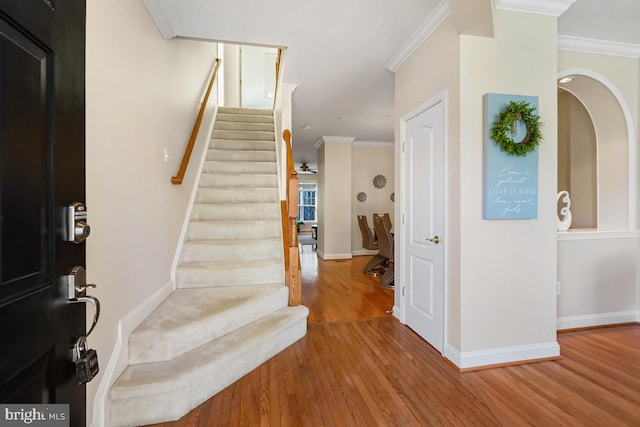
<point x="338" y="51"/>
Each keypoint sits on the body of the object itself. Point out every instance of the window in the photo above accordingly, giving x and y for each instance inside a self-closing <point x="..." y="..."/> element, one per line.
<point x="307" y="201"/>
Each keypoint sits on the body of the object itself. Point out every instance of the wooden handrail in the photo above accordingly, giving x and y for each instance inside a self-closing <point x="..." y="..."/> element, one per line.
<point x="177" y="180"/>
<point x="278" y="64"/>
<point x="289" y="210"/>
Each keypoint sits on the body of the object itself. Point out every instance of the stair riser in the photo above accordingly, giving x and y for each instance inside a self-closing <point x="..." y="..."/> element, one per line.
<point x="234" y="230"/>
<point x="225" y="250"/>
<point x="240" y="155"/>
<point x="246" y="111"/>
<point x="177" y="401"/>
<point x="249" y="275"/>
<point x="156" y="346"/>
<point x="246" y="118"/>
<point x="243" y="126"/>
<point x="242" y="144"/>
<point x="234" y="195"/>
<point x="240" y="167"/>
<point x="250" y="135"/>
<point x="238" y="180"/>
<point x="235" y="211"/>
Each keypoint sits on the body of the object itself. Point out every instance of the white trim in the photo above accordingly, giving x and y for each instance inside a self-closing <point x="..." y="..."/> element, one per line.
<point x="441" y="97"/>
<point x="360" y="252"/>
<point x="344" y="139"/>
<point x="119" y="359"/>
<point x="395" y="311"/>
<point x="599" y="47"/>
<point x="599" y="319"/>
<point x="596" y="235"/>
<point x="433" y="21"/>
<point x="185" y="224"/>
<point x="502" y="355"/>
<point x="371" y="144"/>
<point x="159" y="16"/>
<point x="331" y="257"/>
<point x="538" y="7"/>
<point x="631" y="136"/>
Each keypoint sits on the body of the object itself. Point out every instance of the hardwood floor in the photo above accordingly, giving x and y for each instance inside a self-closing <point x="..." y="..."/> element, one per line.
<point x="338" y="290"/>
<point x="358" y="366"/>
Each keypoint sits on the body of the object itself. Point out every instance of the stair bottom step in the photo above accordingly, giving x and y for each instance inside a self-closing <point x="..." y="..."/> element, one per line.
<point x="165" y="391"/>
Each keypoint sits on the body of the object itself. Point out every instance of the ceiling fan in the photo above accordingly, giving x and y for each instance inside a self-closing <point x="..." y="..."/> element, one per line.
<point x="304" y="167"/>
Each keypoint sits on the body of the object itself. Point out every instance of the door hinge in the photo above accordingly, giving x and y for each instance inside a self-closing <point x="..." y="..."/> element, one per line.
<point x="403" y="146"/>
<point x="404" y="219"/>
<point x="403" y="291"/>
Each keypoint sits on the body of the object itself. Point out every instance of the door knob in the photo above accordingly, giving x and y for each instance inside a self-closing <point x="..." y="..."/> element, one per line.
<point x="435" y="239"/>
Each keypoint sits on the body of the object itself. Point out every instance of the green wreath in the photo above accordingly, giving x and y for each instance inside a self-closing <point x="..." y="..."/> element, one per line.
<point x="506" y="123"/>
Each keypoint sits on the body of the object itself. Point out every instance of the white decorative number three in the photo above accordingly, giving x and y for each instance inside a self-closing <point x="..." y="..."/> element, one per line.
<point x="564" y="221"/>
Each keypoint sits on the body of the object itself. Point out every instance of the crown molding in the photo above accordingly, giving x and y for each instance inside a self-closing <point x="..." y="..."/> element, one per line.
<point x="601" y="47"/>
<point x="160" y="17"/>
<point x="341" y="139"/>
<point x="372" y="144"/>
<point x="437" y="17"/>
<point x="538" y="7"/>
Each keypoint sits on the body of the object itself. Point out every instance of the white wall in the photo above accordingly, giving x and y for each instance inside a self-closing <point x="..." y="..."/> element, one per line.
<point x="257" y="76"/>
<point x="367" y="161"/>
<point x="142" y="95"/>
<point x="231" y="68"/>
<point x="577" y="160"/>
<point x="334" y="195"/>
<point x="499" y="299"/>
<point x="597" y="278"/>
<point x="612" y="291"/>
<point x="434" y="67"/>
<point x="508" y="269"/>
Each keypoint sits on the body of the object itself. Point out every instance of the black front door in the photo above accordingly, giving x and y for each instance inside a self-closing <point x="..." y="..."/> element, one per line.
<point x="42" y="170"/>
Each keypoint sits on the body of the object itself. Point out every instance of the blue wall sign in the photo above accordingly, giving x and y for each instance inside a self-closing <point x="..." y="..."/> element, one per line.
<point x="510" y="182"/>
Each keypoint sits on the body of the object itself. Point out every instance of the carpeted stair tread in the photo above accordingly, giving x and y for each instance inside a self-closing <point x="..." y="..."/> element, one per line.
<point x="242" y="144"/>
<point x="237" y="125"/>
<point x="248" y="229"/>
<point x="189" y="318"/>
<point x="234" y="211"/>
<point x="245" y="118"/>
<point x="239" y="180"/>
<point x="231" y="250"/>
<point x="241" y="155"/>
<point x="216" y="166"/>
<point x="246" y="111"/>
<point x="165" y="391"/>
<point x="252" y="135"/>
<point x="235" y="195"/>
<point x="230" y="273"/>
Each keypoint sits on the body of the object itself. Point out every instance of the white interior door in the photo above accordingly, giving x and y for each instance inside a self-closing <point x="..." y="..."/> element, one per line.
<point x="423" y="210"/>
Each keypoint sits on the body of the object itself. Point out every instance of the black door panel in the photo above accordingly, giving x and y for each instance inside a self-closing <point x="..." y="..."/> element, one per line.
<point x="42" y="128"/>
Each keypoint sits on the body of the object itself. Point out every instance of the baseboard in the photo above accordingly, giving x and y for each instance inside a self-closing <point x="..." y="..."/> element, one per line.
<point x="600" y="319"/>
<point x="119" y="359"/>
<point x="501" y="356"/>
<point x="395" y="311"/>
<point x="363" y="252"/>
<point x="329" y="257"/>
